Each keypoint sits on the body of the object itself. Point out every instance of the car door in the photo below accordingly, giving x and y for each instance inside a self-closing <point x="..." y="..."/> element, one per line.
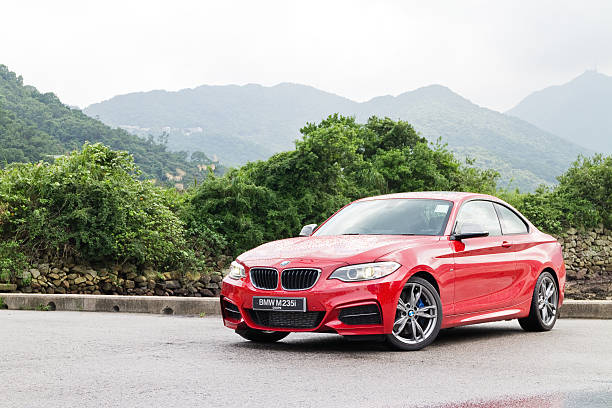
<point x="516" y="232"/>
<point x="485" y="267"/>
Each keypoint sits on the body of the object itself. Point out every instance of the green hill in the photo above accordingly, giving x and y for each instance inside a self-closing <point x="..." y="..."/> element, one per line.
<point x="520" y="151"/>
<point x="244" y="123"/>
<point x="36" y="126"/>
<point x="236" y="123"/>
<point x="579" y="111"/>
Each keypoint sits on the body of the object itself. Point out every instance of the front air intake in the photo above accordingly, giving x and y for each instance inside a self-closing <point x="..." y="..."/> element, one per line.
<point x="231" y="311"/>
<point x="360" y="315"/>
<point x="264" y="278"/>
<point x="286" y="320"/>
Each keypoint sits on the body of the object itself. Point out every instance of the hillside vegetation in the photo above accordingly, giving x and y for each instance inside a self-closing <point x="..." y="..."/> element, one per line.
<point x="579" y="111"/>
<point x="245" y="123"/>
<point x="36" y="126"/>
<point x="92" y="205"/>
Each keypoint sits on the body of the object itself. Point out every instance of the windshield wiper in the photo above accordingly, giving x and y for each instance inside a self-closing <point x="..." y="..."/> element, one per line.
<point x="351" y="233"/>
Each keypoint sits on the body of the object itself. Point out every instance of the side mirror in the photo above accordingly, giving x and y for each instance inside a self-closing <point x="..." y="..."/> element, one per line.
<point x="307" y="230"/>
<point x="469" y="230"/>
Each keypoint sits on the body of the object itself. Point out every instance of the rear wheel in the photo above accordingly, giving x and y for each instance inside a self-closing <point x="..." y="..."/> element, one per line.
<point x="544" y="305"/>
<point x="262" y="336"/>
<point x="418" y="316"/>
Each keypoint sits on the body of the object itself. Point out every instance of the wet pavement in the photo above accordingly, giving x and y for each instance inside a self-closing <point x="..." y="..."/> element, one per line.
<point x="591" y="399"/>
<point x="72" y="359"/>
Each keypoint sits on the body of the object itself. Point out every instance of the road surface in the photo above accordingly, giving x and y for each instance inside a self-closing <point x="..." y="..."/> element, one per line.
<point x="79" y="359"/>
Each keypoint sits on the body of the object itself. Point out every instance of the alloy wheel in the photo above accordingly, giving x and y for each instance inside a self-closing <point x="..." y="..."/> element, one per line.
<point x="416" y="315"/>
<point x="548" y="299"/>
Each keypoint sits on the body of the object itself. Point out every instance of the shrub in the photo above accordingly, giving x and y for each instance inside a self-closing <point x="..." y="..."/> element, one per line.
<point x="335" y="162"/>
<point x="12" y="262"/>
<point x="587" y="186"/>
<point x="91" y="204"/>
<point x="229" y="215"/>
<point x="583" y="197"/>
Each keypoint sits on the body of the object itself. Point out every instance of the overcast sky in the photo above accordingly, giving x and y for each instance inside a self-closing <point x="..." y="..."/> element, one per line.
<point x="492" y="52"/>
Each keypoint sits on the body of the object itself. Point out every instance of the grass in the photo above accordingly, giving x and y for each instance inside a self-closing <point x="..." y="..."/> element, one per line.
<point x="43" y="308"/>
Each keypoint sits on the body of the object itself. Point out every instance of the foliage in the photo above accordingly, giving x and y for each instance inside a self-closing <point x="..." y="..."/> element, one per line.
<point x="228" y="214"/>
<point x="588" y="183"/>
<point x="91" y="204"/>
<point x="335" y="162"/>
<point x="12" y="261"/>
<point x="583" y="197"/>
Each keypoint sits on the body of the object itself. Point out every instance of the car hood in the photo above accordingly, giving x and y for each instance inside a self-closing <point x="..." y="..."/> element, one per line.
<point x="346" y="248"/>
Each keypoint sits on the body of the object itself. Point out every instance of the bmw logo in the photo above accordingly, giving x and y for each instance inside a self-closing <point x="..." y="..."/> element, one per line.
<point x="411" y="313"/>
<point x="284" y="263"/>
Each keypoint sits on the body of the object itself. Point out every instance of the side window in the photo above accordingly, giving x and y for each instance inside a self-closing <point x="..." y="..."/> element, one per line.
<point x="510" y="222"/>
<point x="481" y="213"/>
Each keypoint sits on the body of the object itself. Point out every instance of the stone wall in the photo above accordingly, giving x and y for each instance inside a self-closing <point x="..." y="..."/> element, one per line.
<point x="117" y="280"/>
<point x="588" y="261"/>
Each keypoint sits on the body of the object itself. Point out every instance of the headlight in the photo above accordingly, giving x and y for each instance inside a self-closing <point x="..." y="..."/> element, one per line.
<point x="236" y="271"/>
<point x="362" y="272"/>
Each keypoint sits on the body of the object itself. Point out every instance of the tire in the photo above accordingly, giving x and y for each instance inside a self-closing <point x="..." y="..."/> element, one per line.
<point x="419" y="310"/>
<point x="261" y="336"/>
<point x="544" y="308"/>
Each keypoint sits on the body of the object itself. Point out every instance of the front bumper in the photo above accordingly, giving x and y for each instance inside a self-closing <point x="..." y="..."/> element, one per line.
<point x="328" y="297"/>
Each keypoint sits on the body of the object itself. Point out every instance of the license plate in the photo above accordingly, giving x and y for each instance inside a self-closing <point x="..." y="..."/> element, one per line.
<point x="281" y="304"/>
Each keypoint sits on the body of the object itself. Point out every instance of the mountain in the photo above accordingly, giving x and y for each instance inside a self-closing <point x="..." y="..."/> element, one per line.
<point x="579" y="111"/>
<point x="237" y="123"/>
<point x="244" y="123"/>
<point x="520" y="151"/>
<point x="36" y="126"/>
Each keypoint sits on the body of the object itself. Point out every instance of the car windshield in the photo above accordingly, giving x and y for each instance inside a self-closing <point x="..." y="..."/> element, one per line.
<point x="389" y="217"/>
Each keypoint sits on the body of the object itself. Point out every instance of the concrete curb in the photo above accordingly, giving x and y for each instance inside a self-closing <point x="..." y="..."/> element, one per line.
<point x="188" y="306"/>
<point x="114" y="303"/>
<point x="586" y="309"/>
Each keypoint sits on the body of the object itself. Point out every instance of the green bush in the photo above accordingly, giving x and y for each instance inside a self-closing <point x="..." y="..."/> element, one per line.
<point x="587" y="185"/>
<point x="91" y="204"/>
<point x="583" y="197"/>
<point x="12" y="262"/>
<point x="335" y="162"/>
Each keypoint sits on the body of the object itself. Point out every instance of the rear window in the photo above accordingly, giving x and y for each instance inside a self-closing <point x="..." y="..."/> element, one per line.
<point x="510" y="222"/>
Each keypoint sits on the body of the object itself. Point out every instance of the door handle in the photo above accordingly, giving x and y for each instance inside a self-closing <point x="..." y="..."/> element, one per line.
<point x="506" y="244"/>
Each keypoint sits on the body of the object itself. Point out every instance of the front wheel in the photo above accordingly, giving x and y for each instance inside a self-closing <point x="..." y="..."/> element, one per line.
<point x="544" y="305"/>
<point x="418" y="316"/>
<point x="262" y="336"/>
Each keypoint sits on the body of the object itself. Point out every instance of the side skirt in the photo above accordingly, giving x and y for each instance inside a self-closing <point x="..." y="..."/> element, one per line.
<point x="514" y="312"/>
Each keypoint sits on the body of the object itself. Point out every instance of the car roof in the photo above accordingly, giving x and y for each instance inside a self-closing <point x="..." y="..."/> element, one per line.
<point x="455" y="196"/>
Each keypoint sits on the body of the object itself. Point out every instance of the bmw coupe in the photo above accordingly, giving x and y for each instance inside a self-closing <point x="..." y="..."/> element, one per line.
<point x="399" y="267"/>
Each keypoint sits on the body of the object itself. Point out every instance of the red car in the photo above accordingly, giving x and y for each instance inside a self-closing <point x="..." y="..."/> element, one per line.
<point x="402" y="266"/>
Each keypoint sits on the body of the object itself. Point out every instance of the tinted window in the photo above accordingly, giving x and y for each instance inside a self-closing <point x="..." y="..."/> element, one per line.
<point x="390" y="217"/>
<point x="510" y="222"/>
<point x="481" y="213"/>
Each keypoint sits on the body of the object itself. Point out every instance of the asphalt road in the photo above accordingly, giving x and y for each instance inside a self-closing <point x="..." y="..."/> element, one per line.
<point x="72" y="359"/>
